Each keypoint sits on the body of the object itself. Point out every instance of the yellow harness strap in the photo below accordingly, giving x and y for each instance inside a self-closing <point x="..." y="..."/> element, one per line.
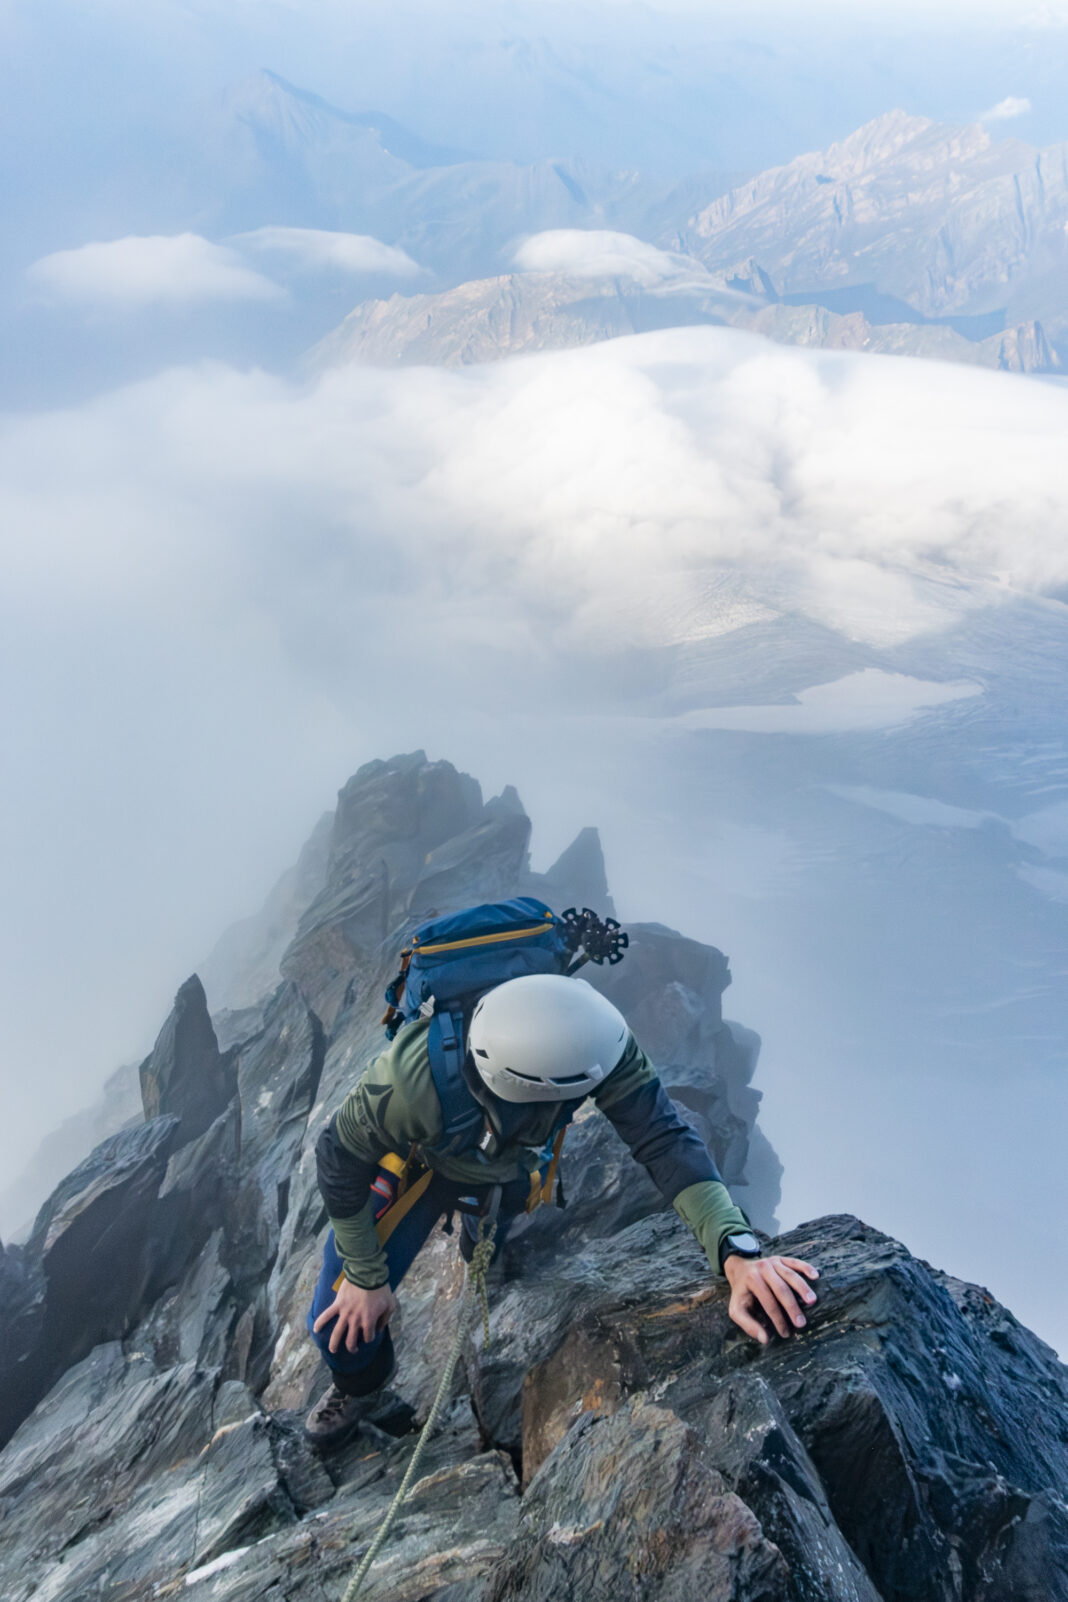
<point x="541" y="1190"/>
<point x="401" y="1207"/>
<point x="407" y="1196"/>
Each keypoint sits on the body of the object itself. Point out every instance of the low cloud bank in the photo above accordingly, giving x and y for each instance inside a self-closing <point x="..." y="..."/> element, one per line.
<point x="1006" y="110"/>
<point x="149" y="270"/>
<point x="319" y="248"/>
<point x="601" y="253"/>
<point x="656" y="489"/>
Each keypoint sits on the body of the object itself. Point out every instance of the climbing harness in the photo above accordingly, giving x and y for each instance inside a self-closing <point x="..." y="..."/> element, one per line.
<point x="475" y="1287"/>
<point x="541" y="1185"/>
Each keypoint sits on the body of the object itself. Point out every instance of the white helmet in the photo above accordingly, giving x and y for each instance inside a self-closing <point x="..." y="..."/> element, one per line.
<point x="545" y="1038"/>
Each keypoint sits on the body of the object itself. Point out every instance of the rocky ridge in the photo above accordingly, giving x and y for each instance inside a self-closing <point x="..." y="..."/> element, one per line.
<point x="943" y="217"/>
<point x="908" y="237"/>
<point x="618" y="1437"/>
<point x="520" y="313"/>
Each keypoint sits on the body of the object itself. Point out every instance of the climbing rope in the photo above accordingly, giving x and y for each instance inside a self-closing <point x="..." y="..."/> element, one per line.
<point x="481" y="1258"/>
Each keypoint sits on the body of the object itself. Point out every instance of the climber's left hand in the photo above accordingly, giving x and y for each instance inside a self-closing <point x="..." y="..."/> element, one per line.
<point x="773" y="1284"/>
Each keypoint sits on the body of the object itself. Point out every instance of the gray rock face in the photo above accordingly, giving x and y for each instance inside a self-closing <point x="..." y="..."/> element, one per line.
<point x="22" y="1312"/>
<point x="942" y="217"/>
<point x="391" y="819"/>
<point x="629" y="1507"/>
<point x="492" y="318"/>
<point x="911" y="1446"/>
<point x="932" y="1442"/>
<point x="577" y="877"/>
<point x="170" y="1229"/>
<point x="86" y="1268"/>
<point x="127" y="1476"/>
<point x="186" y="1074"/>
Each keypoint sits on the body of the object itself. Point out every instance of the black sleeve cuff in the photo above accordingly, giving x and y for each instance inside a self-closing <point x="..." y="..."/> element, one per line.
<point x="344" y="1180"/>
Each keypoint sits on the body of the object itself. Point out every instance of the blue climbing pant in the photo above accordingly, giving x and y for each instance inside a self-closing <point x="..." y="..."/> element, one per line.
<point x="369" y="1366"/>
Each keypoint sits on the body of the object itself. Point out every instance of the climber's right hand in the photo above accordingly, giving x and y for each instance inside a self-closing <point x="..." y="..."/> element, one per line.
<point x="772" y="1287"/>
<point x="361" y="1314"/>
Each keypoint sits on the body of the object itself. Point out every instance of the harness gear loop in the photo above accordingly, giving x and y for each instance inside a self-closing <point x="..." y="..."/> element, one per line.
<point x="476" y="1285"/>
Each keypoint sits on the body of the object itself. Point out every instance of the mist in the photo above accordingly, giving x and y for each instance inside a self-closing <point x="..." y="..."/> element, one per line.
<point x="788" y="625"/>
<point x="677" y="586"/>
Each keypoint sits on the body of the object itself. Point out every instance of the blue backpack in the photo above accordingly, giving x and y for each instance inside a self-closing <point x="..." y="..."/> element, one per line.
<point x="452" y="961"/>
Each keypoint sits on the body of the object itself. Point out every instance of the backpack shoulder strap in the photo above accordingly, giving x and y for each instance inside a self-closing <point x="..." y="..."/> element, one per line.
<point x="461" y="1112"/>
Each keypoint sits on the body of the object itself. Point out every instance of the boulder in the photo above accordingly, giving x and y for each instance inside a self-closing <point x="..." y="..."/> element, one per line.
<point x="628" y="1507"/>
<point x="939" y="1449"/>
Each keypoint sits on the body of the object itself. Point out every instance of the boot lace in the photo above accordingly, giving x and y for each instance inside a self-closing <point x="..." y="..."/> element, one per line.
<point x="333" y="1406"/>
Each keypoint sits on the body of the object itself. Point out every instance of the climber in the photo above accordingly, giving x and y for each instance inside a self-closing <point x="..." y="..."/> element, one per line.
<point x="536" y="1047"/>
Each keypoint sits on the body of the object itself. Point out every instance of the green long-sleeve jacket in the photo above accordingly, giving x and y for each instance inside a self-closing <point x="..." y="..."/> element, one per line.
<point x="395" y="1105"/>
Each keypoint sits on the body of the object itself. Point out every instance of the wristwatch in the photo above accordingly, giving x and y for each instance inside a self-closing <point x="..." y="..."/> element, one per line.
<point x="742" y="1244"/>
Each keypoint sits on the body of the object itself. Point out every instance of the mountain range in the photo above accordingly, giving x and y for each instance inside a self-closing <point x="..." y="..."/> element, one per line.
<point x="944" y="218"/>
<point x="272" y="153"/>
<point x="491" y="318"/>
<point x="907" y="237"/>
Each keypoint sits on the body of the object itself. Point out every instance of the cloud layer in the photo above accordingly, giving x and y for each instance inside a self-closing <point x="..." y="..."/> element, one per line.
<point x="149" y="270"/>
<point x="602" y="495"/>
<point x="1005" y="110"/>
<point x="319" y="248"/>
<point x="601" y="253"/>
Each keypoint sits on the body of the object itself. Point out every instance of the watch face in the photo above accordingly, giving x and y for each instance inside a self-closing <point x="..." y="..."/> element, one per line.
<point x="743" y="1243"/>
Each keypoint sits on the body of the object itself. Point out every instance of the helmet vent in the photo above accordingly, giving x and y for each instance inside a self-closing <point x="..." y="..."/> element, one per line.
<point x="480" y="1053"/>
<point x="572" y="1079"/>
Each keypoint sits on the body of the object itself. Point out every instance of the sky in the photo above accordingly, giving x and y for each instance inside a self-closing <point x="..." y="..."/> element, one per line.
<point x="210" y="559"/>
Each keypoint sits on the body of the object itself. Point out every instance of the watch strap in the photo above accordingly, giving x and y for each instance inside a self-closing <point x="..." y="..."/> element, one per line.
<point x="731" y="1246"/>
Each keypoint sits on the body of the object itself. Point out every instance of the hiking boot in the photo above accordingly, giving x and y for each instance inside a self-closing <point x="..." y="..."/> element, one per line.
<point x="336" y="1418"/>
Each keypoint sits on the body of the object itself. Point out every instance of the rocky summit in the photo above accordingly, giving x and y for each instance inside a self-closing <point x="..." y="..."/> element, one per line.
<point x="616" y="1438"/>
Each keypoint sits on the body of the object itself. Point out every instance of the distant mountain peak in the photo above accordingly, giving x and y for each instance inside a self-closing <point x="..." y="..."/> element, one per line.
<point x="938" y="215"/>
<point x="269" y="101"/>
<point x="885" y="138"/>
